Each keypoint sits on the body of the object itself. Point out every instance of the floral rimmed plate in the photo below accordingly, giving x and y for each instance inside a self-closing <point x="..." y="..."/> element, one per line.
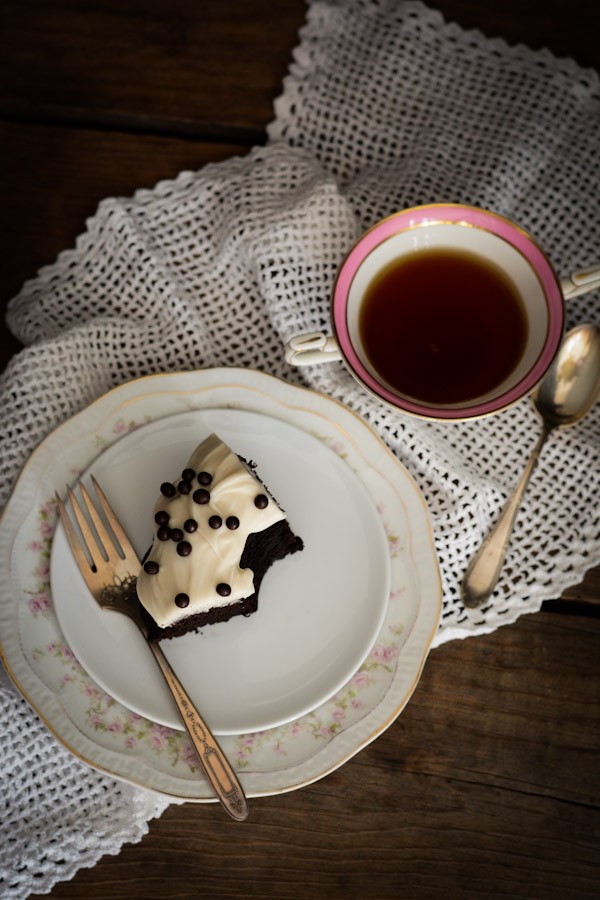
<point x="106" y="734"/>
<point x="319" y="612"/>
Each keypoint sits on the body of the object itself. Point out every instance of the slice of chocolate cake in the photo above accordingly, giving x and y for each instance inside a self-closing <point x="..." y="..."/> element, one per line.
<point x="217" y="531"/>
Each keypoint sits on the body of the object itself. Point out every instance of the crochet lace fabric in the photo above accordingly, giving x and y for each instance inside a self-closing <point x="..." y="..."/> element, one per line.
<point x="385" y="106"/>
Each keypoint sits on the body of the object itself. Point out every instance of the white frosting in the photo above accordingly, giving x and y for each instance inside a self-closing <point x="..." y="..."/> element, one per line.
<point x="215" y="552"/>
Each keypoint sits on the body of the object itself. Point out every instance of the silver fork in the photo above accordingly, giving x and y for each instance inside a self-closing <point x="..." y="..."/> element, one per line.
<point x="110" y="569"/>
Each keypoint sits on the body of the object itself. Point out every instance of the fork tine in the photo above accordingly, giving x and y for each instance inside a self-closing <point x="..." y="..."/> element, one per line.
<point x="104" y="537"/>
<point x="73" y="539"/>
<point x="113" y="521"/>
<point x="89" y="538"/>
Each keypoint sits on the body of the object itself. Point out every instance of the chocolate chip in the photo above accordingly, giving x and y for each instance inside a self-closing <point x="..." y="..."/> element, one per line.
<point x="223" y="590"/>
<point x="151" y="567"/>
<point x="184" y="548"/>
<point x="167" y="489"/>
<point x="190" y="525"/>
<point x="184" y="487"/>
<point x="201" y="496"/>
<point x="188" y="474"/>
<point x="204" y="478"/>
<point x="162" y="517"/>
<point x="163" y="533"/>
<point x="215" y="521"/>
<point x="182" y="600"/>
<point x="261" y="501"/>
<point x="176" y="534"/>
<point x="232" y="522"/>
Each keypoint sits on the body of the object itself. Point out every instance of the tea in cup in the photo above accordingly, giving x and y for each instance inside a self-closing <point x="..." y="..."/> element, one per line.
<point x="444" y="311"/>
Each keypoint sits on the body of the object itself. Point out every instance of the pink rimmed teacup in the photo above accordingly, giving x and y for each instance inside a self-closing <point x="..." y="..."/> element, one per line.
<point x="428" y="356"/>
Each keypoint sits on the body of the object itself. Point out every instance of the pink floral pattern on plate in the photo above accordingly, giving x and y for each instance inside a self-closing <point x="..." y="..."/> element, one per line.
<point x="101" y="730"/>
<point x="128" y="730"/>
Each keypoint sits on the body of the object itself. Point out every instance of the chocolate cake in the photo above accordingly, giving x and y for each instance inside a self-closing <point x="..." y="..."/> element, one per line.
<point x="217" y="532"/>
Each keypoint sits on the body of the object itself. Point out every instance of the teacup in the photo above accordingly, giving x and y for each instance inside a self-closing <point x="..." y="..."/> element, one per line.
<point x="445" y="311"/>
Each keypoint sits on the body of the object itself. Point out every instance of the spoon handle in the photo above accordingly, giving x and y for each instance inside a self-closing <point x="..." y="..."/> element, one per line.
<point x="484" y="569"/>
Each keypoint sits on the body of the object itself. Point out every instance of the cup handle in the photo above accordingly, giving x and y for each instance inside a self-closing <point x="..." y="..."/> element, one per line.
<point x="311" y="348"/>
<point x="582" y="282"/>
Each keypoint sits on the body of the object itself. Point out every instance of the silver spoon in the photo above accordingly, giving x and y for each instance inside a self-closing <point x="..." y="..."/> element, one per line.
<point x="568" y="391"/>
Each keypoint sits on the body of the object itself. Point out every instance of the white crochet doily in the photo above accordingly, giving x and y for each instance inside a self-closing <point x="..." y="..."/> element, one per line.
<point x="385" y="106"/>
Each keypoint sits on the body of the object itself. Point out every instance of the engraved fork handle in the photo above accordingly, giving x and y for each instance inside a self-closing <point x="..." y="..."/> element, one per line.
<point x="214" y="761"/>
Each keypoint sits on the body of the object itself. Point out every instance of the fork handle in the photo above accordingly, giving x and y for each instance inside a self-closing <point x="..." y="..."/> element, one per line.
<point x="214" y="761"/>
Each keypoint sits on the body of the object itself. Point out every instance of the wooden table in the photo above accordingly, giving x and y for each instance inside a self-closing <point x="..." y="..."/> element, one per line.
<point x="488" y="784"/>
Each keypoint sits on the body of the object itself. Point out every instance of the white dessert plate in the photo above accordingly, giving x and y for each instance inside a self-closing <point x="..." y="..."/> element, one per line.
<point x="111" y="438"/>
<point x="319" y="611"/>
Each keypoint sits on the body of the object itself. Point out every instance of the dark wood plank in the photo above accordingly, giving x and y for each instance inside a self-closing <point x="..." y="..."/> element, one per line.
<point x="486" y="786"/>
<point x="210" y="69"/>
<point x="565" y="29"/>
<point x="175" y="67"/>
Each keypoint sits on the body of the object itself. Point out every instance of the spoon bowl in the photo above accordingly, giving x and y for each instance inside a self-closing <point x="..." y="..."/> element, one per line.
<point x="571" y="386"/>
<point x="567" y="392"/>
